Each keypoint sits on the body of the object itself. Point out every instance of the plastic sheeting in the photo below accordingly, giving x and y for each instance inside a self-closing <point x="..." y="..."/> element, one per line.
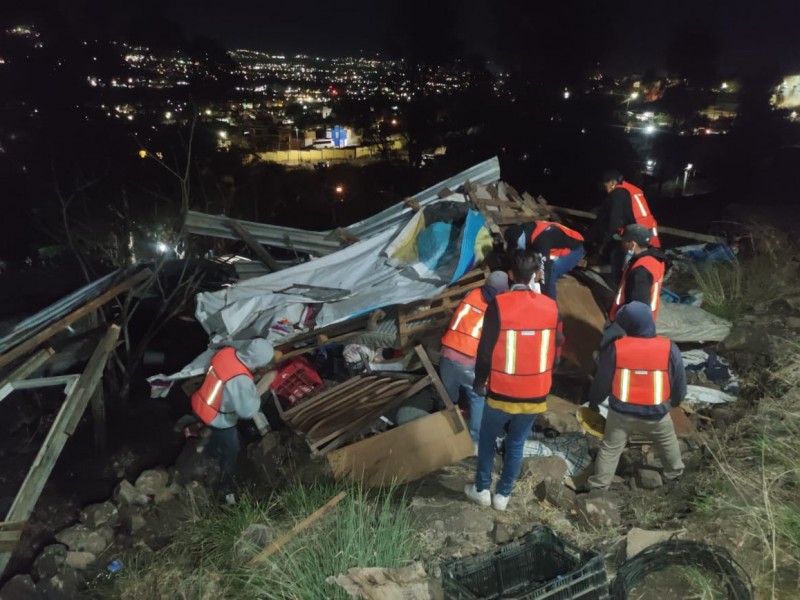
<point x="686" y="323"/>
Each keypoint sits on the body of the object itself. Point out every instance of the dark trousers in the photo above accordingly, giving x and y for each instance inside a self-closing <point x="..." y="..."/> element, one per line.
<point x="223" y="445"/>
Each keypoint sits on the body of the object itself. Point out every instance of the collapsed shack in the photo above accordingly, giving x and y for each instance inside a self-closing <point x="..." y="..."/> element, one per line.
<point x="353" y="327"/>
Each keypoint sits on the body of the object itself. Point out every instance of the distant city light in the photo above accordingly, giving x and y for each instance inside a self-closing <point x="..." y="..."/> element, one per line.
<point x="142" y="153"/>
<point x="162" y="247"/>
<point x="168" y="115"/>
<point x="650" y="129"/>
<point x="650" y="162"/>
<point x="339" y="189"/>
<point x="208" y="112"/>
<point x="566" y="94"/>
<point x="394" y="121"/>
<point x="634" y="95"/>
<point x="724" y="85"/>
<point x="793" y="115"/>
<point x="689" y="167"/>
<point x="223" y="134"/>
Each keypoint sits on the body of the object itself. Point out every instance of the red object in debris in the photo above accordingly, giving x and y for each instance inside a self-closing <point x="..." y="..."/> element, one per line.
<point x="296" y="379"/>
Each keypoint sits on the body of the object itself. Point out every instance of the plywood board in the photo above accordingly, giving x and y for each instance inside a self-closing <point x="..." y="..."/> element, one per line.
<point x="405" y="453"/>
<point x="583" y="323"/>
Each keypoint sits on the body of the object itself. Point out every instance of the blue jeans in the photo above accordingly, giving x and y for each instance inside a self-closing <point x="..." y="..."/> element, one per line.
<point x="456" y="376"/>
<point x="223" y="445"/>
<point x="519" y="429"/>
<point x="560" y="267"/>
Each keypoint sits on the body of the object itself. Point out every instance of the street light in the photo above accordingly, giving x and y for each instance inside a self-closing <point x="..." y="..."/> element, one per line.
<point x="339" y="189"/>
<point x="650" y="129"/>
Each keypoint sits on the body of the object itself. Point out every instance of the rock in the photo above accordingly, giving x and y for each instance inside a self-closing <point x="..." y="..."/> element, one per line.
<point x="79" y="560"/>
<point x="19" y="587"/>
<point x="639" y="539"/>
<point x="651" y="460"/>
<point x="98" y="515"/>
<point x="598" y="508"/>
<point x="126" y="495"/>
<point x="152" y="481"/>
<point x="503" y="533"/>
<point x="80" y="538"/>
<point x="49" y="561"/>
<point x="132" y="519"/>
<point x="647" y="479"/>
<point x="793" y="322"/>
<point x="438" y="525"/>
<point x="61" y="586"/>
<point x="469" y="520"/>
<point x="253" y="539"/>
<point x="557" y="422"/>
<point x="556" y="494"/>
<point x="107" y="533"/>
<point x="166" y="494"/>
<point x="544" y="467"/>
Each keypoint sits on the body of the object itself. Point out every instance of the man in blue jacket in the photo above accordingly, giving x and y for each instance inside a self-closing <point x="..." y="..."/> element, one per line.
<point x="643" y="377"/>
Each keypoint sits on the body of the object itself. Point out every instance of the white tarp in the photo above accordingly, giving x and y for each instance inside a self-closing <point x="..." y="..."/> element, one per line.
<point x="687" y="323"/>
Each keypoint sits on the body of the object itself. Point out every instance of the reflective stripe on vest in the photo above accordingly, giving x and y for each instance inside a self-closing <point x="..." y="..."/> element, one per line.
<point x="522" y="359"/>
<point x="207" y="401"/>
<point x="554" y="252"/>
<point x="466" y="325"/>
<point x="656" y="269"/>
<point x="640" y="209"/>
<point x="641" y="375"/>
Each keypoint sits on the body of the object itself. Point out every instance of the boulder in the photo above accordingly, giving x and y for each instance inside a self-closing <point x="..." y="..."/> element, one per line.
<point x="80" y="538"/>
<point x="544" y="467"/>
<point x="98" y="515"/>
<point x="107" y="533"/>
<point x="556" y="494"/>
<point x="253" y="539"/>
<point x="19" y="587"/>
<point x="166" y="494"/>
<point x="557" y="422"/>
<point x="152" y="481"/>
<point x="126" y="494"/>
<point x="469" y="520"/>
<point x="132" y="519"/>
<point x="79" y="561"/>
<point x="49" y="561"/>
<point x="647" y="479"/>
<point x="61" y="586"/>
<point x="503" y="533"/>
<point x="598" y="508"/>
<point x="640" y="539"/>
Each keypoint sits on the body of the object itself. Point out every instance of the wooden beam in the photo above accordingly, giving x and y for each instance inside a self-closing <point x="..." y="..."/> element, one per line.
<point x="62" y="324"/>
<point x="252" y="243"/>
<point x="27" y="368"/>
<point x="700" y="237"/>
<point x="62" y="429"/>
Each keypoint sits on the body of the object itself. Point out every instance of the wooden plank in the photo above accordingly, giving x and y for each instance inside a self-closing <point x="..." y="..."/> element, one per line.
<point x="63" y="427"/>
<point x="328" y="395"/>
<point x="27" y="368"/>
<point x="437" y="383"/>
<point x="700" y="237"/>
<point x="10" y="536"/>
<point x="263" y="255"/>
<point x="98" y="402"/>
<point x="301" y="526"/>
<point x="62" y="324"/>
<point x="404" y="453"/>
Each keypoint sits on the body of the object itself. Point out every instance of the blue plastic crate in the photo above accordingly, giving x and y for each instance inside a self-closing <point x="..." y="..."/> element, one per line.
<point x="537" y="566"/>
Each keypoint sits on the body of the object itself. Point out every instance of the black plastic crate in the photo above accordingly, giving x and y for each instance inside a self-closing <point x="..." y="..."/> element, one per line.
<point x="537" y="565"/>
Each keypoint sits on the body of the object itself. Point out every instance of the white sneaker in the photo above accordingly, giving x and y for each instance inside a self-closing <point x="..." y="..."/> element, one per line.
<point x="499" y="502"/>
<point x="483" y="498"/>
<point x="474" y="448"/>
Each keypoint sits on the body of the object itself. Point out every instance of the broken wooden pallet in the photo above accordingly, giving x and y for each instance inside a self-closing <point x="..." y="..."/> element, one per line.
<point x="417" y="318"/>
<point x="501" y="205"/>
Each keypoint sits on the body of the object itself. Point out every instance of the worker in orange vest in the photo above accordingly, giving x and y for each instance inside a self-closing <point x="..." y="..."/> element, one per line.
<point x="643" y="376"/>
<point x="624" y="205"/>
<point x="560" y="247"/>
<point x="643" y="276"/>
<point x="517" y="353"/>
<point x="228" y="394"/>
<point x="460" y="346"/>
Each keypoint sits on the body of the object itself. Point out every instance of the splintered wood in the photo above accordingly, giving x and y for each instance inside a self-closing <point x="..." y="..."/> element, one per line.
<point x="342" y="413"/>
<point x="418" y="318"/>
<point x="501" y="205"/>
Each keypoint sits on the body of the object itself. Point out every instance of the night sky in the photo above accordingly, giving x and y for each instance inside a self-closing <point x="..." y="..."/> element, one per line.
<point x="750" y="33"/>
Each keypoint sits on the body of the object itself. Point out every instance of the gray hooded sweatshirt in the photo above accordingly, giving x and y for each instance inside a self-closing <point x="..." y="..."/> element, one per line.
<point x="239" y="397"/>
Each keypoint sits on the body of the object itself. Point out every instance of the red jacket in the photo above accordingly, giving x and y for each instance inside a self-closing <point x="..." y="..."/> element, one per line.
<point x="655" y="268"/>
<point x="466" y="325"/>
<point x="642" y="371"/>
<point x="225" y="365"/>
<point x="522" y="358"/>
<point x="641" y="211"/>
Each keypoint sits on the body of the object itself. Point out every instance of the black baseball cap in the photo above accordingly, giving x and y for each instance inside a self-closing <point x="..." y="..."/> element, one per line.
<point x="611" y="175"/>
<point x="635" y="233"/>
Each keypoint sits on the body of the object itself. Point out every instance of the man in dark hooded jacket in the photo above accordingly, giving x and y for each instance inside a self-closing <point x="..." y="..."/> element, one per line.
<point x="643" y="377"/>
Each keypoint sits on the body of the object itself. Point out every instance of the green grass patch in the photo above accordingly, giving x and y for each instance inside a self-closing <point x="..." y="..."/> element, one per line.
<point x="368" y="528"/>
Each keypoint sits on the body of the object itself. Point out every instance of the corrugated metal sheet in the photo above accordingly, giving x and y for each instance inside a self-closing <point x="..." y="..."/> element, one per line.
<point x="58" y="310"/>
<point x="325" y="242"/>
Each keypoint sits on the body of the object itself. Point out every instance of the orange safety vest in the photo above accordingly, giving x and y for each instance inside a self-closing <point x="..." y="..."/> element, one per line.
<point x="656" y="269"/>
<point x="641" y="211"/>
<point x="555" y="252"/>
<point x="642" y="372"/>
<point x="522" y="359"/>
<point x="207" y="401"/>
<point x="466" y="325"/>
